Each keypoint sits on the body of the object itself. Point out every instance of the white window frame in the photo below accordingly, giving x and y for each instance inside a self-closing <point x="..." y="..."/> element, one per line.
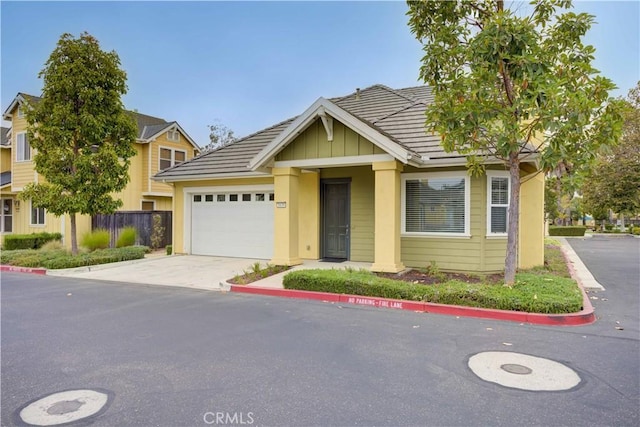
<point x="3" y="215"/>
<point x="20" y="112"/>
<point x="20" y="147"/>
<point x="490" y="176"/>
<point x="173" y="135"/>
<point x="43" y="219"/>
<point x="435" y="175"/>
<point x="173" y="156"/>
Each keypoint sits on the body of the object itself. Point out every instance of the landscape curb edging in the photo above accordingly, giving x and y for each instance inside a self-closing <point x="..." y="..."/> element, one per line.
<point x="16" y="269"/>
<point x="583" y="317"/>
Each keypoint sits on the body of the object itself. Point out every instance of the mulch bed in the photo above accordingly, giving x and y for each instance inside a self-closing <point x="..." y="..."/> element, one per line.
<point x="427" y="278"/>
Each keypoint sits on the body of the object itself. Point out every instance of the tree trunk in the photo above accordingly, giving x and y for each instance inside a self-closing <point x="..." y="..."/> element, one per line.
<point x="559" y="198"/>
<point x="74" y="239"/>
<point x="511" y="261"/>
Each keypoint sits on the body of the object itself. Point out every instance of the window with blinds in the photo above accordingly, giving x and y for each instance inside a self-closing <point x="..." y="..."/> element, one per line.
<point x="435" y="205"/>
<point x="498" y="200"/>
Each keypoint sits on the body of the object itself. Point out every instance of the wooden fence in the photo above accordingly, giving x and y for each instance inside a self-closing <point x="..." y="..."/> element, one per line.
<point x="141" y="220"/>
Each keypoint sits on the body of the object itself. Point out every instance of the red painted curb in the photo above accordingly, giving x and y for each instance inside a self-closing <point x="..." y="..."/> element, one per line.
<point x="15" y="269"/>
<point x="583" y="317"/>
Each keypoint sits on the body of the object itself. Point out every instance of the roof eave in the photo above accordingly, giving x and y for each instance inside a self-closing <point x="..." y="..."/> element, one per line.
<point x="207" y="177"/>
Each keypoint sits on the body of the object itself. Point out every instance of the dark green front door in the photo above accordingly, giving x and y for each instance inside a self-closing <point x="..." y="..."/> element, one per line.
<point x="335" y="219"/>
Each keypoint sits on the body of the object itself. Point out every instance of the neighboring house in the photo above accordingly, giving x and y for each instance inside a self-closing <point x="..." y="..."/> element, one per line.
<point x="354" y="178"/>
<point x="159" y="145"/>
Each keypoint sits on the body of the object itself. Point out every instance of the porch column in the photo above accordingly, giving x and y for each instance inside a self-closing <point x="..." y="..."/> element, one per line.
<point x="532" y="223"/>
<point x="387" y="217"/>
<point x="285" y="231"/>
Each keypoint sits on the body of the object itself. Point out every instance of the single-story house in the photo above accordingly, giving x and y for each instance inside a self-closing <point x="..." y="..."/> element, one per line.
<point x="353" y="178"/>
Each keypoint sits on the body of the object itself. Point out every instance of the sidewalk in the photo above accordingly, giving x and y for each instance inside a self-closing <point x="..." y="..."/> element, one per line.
<point x="578" y="270"/>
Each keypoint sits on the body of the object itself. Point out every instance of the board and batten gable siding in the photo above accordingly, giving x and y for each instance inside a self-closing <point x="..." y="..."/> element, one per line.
<point x="179" y="219"/>
<point x="154" y="146"/>
<point x="362" y="209"/>
<point x="313" y="144"/>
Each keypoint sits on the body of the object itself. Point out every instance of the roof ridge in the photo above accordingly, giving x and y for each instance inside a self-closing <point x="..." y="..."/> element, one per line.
<point x="395" y="92"/>
<point x="340" y="98"/>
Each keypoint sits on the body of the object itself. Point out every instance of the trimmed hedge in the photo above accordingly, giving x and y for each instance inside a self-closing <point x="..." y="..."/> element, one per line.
<point x="532" y="293"/>
<point x="62" y="259"/>
<point x="577" y="230"/>
<point x="29" y="241"/>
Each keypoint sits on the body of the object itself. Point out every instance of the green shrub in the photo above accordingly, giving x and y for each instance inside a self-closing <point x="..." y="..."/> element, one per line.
<point x="127" y="237"/>
<point x="29" y="241"/>
<point x="96" y="239"/>
<point x="531" y="293"/>
<point x="30" y="257"/>
<point x="169" y="249"/>
<point x="99" y="256"/>
<point x="53" y="245"/>
<point x="577" y="230"/>
<point x="608" y="227"/>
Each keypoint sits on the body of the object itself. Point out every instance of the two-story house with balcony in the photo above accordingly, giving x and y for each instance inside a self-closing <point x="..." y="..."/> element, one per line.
<point x="160" y="144"/>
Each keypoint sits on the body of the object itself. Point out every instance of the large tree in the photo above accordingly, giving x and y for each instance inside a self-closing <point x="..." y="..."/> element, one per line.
<point x="614" y="181"/>
<point x="503" y="79"/>
<point x="82" y="136"/>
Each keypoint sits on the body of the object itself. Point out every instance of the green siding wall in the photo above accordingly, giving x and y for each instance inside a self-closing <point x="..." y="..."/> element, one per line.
<point x="362" y="209"/>
<point x="313" y="144"/>
<point x="477" y="253"/>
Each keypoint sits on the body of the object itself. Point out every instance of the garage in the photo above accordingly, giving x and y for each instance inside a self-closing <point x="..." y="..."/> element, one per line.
<point x="233" y="222"/>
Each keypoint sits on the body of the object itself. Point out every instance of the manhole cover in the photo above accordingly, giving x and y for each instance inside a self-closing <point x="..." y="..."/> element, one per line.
<point x="513" y="368"/>
<point x="522" y="371"/>
<point x="64" y="407"/>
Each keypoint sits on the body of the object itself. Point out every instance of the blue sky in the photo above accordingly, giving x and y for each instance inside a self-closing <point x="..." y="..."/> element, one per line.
<point x="249" y="65"/>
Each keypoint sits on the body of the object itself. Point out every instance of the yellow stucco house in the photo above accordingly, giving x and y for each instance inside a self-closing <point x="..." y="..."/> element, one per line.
<point x="353" y="178"/>
<point x="159" y="145"/>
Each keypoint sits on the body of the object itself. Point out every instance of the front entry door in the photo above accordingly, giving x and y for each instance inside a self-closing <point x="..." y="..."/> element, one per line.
<point x="335" y="219"/>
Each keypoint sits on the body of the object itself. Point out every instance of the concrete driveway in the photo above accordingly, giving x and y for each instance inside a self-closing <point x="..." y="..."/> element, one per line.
<point x="189" y="271"/>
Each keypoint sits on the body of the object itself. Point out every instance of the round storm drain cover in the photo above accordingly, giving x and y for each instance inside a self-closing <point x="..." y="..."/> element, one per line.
<point x="64" y="407"/>
<point x="521" y="371"/>
<point x="513" y="368"/>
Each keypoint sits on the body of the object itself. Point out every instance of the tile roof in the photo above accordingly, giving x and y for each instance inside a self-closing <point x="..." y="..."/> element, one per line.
<point x="148" y="126"/>
<point x="397" y="113"/>
<point x="4" y="139"/>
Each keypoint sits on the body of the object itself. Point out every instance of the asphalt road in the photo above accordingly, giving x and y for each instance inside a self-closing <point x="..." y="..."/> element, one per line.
<point x="173" y="357"/>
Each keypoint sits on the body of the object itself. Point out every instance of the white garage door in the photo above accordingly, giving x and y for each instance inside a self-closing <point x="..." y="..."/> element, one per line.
<point x="233" y="223"/>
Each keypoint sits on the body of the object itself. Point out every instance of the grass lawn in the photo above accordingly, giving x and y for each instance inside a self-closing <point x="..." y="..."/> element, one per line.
<point x="545" y="289"/>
